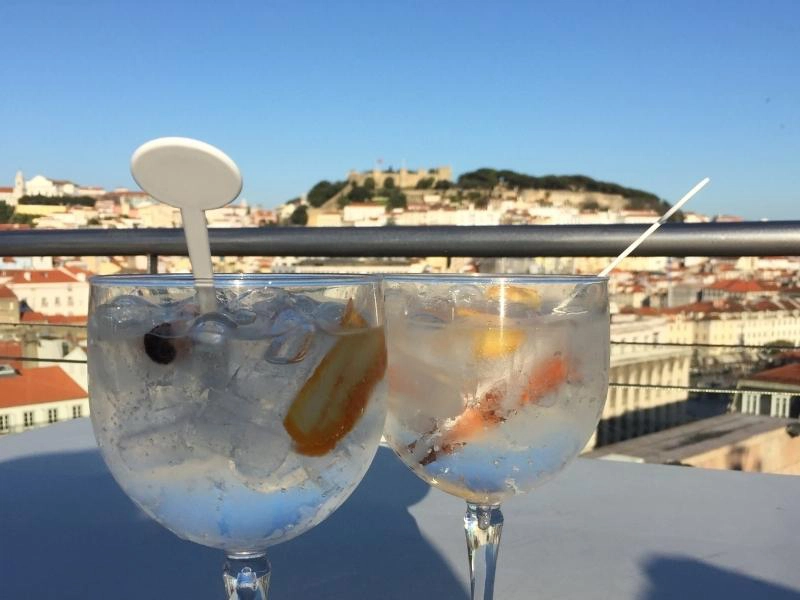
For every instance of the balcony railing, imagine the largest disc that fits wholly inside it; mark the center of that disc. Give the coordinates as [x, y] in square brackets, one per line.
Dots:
[777, 238]
[673, 239]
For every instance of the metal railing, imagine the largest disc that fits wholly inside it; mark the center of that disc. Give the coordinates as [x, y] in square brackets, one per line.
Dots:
[776, 238]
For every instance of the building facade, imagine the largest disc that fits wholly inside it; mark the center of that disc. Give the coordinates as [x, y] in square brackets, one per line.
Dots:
[50, 292]
[37, 397]
[772, 393]
[649, 398]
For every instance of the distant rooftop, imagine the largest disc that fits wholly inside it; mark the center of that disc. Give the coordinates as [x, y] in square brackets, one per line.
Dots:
[38, 386]
[786, 374]
[679, 443]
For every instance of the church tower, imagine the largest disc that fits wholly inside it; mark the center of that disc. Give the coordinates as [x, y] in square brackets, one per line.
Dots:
[19, 188]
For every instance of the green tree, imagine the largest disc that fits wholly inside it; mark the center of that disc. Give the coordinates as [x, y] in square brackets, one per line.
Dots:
[57, 200]
[388, 183]
[777, 346]
[324, 191]
[590, 205]
[359, 194]
[487, 178]
[479, 199]
[6, 212]
[443, 184]
[299, 216]
[93, 221]
[396, 199]
[9, 215]
[425, 183]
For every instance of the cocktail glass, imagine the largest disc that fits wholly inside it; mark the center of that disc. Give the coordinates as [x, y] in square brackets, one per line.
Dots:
[496, 383]
[245, 426]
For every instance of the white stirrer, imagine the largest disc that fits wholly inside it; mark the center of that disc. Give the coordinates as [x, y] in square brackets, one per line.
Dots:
[654, 226]
[194, 177]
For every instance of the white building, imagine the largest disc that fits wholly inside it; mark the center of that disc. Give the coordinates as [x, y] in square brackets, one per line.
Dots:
[233, 215]
[42, 186]
[424, 216]
[50, 292]
[363, 211]
[774, 393]
[633, 411]
[7, 195]
[749, 324]
[724, 323]
[35, 397]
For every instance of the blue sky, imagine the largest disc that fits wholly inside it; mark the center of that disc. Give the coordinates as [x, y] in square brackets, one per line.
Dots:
[648, 94]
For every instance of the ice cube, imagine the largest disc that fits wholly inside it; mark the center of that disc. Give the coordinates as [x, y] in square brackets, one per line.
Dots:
[243, 316]
[420, 391]
[287, 320]
[239, 428]
[267, 318]
[123, 317]
[290, 347]
[212, 330]
[155, 447]
[259, 299]
[304, 304]
[209, 338]
[214, 428]
[328, 316]
[260, 450]
[466, 296]
[428, 312]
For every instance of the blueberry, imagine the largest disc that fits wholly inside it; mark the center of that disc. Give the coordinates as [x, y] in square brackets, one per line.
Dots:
[158, 345]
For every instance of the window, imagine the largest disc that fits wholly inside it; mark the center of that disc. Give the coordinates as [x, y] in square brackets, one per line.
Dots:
[77, 411]
[44, 302]
[57, 301]
[3, 422]
[52, 415]
[765, 404]
[27, 418]
[69, 301]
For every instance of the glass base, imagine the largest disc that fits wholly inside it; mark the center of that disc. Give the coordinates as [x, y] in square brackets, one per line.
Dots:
[246, 576]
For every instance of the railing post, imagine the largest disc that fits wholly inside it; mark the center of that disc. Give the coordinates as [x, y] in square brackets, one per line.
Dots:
[152, 264]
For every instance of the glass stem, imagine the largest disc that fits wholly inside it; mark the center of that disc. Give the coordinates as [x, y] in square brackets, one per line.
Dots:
[483, 526]
[246, 576]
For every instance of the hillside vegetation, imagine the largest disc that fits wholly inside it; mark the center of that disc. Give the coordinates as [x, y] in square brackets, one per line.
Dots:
[489, 178]
[475, 186]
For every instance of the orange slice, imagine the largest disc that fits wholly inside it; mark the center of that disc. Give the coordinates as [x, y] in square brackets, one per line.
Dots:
[496, 342]
[335, 397]
[544, 379]
[480, 418]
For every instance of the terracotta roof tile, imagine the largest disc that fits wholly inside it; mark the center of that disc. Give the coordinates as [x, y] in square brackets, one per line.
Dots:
[38, 386]
[786, 374]
[32, 316]
[24, 276]
[11, 348]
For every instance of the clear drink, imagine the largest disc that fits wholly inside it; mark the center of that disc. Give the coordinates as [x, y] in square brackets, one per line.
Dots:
[246, 426]
[495, 383]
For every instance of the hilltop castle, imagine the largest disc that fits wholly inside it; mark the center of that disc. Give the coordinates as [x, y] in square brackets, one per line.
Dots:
[402, 178]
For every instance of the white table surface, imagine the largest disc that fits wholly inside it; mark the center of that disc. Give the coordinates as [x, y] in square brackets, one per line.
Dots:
[601, 530]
